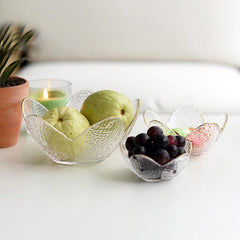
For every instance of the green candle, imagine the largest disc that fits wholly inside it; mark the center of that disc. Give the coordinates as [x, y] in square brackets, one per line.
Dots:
[50, 98]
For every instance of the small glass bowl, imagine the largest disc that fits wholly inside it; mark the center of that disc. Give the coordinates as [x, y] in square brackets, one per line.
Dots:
[204, 133]
[149, 170]
[92, 146]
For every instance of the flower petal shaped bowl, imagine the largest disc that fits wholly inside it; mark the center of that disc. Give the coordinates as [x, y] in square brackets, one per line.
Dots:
[149, 170]
[204, 133]
[93, 145]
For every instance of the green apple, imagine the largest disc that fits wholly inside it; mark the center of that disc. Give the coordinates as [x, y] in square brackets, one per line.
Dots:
[106, 103]
[67, 120]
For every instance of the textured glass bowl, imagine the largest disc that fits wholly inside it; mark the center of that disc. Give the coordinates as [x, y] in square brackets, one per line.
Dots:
[149, 170]
[93, 145]
[205, 133]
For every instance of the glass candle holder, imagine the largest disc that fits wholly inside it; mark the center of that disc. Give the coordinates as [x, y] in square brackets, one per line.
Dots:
[50, 92]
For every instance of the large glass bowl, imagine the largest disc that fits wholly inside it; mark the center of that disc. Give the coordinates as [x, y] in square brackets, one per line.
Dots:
[204, 132]
[149, 170]
[93, 145]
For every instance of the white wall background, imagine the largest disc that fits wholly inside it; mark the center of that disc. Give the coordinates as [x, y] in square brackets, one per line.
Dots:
[200, 30]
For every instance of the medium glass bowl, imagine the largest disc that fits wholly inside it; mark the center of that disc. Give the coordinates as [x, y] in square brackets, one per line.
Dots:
[93, 145]
[149, 170]
[204, 134]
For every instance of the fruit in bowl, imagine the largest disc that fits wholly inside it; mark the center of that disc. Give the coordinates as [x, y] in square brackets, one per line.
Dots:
[189, 122]
[67, 120]
[157, 155]
[106, 103]
[67, 141]
[154, 144]
[71, 123]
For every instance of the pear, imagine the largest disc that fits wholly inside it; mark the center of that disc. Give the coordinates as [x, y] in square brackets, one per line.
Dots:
[107, 103]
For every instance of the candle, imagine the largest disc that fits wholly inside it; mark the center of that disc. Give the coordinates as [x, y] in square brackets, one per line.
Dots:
[50, 98]
[50, 92]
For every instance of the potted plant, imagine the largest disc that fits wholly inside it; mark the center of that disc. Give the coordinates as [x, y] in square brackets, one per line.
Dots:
[12, 89]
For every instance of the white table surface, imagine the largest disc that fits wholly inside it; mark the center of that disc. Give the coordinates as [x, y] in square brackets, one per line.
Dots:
[42, 200]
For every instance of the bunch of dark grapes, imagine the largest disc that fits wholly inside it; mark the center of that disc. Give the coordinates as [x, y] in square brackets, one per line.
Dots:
[156, 145]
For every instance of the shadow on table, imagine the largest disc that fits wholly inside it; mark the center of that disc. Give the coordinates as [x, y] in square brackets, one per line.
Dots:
[38, 160]
[118, 175]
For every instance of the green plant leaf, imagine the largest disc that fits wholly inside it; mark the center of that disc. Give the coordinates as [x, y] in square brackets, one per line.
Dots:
[5, 60]
[9, 69]
[11, 42]
[4, 52]
[6, 39]
[20, 31]
[26, 37]
[23, 40]
[4, 30]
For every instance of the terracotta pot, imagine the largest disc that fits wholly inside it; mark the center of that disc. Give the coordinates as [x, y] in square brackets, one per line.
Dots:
[10, 112]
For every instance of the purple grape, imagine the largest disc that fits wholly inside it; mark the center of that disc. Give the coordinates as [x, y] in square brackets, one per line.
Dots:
[161, 156]
[139, 150]
[130, 143]
[172, 150]
[154, 131]
[180, 141]
[172, 140]
[181, 150]
[161, 141]
[150, 146]
[141, 139]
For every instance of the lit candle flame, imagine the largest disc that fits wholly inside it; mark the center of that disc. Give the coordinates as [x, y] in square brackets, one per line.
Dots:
[45, 93]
